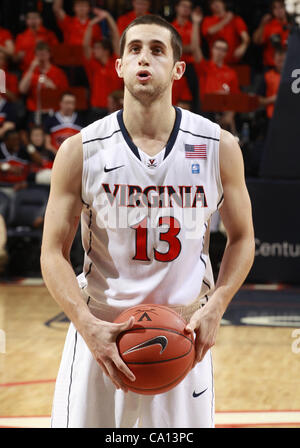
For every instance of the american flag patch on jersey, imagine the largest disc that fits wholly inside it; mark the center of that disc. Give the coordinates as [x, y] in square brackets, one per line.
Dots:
[195, 151]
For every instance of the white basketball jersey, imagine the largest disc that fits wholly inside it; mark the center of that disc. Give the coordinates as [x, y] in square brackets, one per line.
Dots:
[145, 220]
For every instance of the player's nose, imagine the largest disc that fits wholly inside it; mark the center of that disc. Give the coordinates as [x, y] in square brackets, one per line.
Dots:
[143, 58]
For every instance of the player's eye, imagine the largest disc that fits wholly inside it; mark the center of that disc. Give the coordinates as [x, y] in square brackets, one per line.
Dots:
[134, 49]
[157, 50]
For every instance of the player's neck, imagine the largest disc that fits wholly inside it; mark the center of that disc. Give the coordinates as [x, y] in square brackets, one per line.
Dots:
[148, 122]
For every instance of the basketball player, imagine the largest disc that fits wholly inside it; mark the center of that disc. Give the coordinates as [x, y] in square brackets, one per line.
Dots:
[145, 181]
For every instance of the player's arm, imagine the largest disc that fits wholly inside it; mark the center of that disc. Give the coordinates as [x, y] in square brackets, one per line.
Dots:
[61, 222]
[239, 252]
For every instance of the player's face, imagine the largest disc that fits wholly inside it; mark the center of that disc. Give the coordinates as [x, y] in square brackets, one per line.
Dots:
[147, 65]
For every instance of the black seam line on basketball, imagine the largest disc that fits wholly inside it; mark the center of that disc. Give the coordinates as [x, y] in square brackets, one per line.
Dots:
[202, 136]
[71, 378]
[165, 385]
[222, 197]
[158, 328]
[101, 138]
[88, 300]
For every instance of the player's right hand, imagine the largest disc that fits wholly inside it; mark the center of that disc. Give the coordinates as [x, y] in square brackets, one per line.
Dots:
[101, 339]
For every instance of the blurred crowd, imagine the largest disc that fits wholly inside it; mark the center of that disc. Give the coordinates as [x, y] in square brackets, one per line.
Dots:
[55, 51]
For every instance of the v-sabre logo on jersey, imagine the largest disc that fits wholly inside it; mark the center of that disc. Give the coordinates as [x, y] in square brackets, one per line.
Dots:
[158, 340]
[156, 196]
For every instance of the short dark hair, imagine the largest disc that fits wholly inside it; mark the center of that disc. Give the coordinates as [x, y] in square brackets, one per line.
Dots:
[106, 44]
[66, 93]
[42, 46]
[220, 39]
[152, 19]
[9, 132]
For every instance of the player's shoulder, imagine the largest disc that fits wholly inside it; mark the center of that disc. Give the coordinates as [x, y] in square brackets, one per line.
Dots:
[198, 125]
[100, 129]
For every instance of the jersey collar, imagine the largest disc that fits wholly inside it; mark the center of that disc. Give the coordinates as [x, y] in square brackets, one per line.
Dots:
[171, 140]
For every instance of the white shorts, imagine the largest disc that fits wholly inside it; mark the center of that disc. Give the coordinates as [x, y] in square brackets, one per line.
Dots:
[86, 398]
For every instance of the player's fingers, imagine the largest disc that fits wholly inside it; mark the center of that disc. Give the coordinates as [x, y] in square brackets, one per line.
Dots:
[120, 365]
[123, 326]
[114, 376]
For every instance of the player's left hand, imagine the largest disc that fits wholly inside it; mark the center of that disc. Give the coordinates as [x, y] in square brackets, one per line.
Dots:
[205, 323]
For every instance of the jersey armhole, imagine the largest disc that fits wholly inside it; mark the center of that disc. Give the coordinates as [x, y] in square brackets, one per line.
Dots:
[84, 179]
[218, 170]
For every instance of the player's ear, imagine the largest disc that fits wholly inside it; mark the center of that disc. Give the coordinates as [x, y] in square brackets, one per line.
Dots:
[118, 67]
[179, 69]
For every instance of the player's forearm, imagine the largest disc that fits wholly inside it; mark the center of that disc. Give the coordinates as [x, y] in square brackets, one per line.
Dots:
[235, 266]
[62, 284]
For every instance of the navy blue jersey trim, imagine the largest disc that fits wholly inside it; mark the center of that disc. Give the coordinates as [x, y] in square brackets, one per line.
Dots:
[126, 136]
[222, 197]
[101, 138]
[198, 135]
[174, 132]
[171, 141]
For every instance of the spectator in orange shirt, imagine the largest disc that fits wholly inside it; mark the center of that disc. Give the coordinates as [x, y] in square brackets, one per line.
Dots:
[269, 87]
[41, 74]
[26, 41]
[6, 42]
[73, 28]
[272, 32]
[223, 24]
[140, 8]
[11, 80]
[100, 65]
[184, 26]
[214, 75]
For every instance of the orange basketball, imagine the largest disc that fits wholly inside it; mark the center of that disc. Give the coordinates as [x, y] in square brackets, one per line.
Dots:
[156, 349]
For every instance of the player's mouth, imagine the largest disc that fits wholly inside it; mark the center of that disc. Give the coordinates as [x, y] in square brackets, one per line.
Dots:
[143, 75]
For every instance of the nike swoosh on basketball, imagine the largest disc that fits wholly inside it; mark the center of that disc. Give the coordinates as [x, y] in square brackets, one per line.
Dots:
[107, 170]
[198, 395]
[160, 340]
